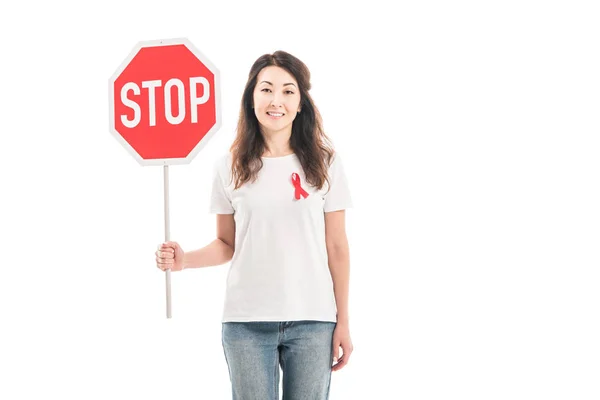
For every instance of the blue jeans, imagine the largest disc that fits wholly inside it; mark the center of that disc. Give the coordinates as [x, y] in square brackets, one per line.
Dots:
[255, 350]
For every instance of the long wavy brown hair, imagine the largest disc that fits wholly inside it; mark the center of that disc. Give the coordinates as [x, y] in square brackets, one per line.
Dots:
[308, 140]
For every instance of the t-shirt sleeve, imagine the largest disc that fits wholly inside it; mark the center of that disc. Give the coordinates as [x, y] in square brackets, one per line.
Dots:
[338, 196]
[220, 200]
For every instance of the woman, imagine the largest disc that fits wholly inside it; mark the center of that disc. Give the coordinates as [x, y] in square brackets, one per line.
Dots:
[279, 195]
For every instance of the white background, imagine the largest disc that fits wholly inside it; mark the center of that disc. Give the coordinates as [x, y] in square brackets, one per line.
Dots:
[469, 132]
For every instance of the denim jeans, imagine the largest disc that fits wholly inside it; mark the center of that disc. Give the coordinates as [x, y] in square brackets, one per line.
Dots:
[255, 350]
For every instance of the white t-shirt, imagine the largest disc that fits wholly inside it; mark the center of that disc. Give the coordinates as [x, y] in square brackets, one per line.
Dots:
[279, 270]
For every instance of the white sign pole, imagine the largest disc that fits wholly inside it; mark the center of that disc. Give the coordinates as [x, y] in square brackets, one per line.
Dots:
[167, 234]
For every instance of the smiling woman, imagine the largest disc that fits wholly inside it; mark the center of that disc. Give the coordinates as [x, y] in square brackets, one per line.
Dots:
[278, 117]
[280, 195]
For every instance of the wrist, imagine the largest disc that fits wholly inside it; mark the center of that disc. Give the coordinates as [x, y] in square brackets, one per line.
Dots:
[185, 261]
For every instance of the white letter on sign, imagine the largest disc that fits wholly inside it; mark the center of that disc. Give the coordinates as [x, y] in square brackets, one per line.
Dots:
[137, 113]
[151, 85]
[181, 100]
[195, 101]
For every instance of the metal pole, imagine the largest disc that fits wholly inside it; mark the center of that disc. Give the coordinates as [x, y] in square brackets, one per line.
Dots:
[167, 235]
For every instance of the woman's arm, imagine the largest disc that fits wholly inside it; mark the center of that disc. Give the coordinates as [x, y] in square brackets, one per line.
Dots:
[219, 251]
[339, 261]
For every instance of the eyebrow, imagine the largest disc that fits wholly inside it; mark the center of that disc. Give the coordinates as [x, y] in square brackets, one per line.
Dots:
[285, 84]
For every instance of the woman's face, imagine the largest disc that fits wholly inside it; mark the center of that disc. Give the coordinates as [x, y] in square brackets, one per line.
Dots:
[276, 100]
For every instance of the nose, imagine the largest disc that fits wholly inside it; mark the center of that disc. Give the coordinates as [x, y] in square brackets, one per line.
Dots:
[276, 100]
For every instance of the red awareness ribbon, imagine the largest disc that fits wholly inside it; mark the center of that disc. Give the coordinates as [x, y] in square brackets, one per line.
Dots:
[299, 191]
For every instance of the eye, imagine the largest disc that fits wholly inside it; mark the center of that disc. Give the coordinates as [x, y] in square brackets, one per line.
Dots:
[265, 89]
[289, 91]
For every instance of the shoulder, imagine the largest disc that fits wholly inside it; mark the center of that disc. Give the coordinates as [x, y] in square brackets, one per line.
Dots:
[335, 161]
[222, 168]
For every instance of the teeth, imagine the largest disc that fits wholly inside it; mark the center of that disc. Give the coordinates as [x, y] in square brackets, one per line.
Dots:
[275, 114]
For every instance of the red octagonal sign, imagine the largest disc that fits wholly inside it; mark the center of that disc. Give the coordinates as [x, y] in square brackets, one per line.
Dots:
[164, 102]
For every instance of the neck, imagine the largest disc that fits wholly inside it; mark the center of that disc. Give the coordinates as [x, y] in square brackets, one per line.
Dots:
[277, 143]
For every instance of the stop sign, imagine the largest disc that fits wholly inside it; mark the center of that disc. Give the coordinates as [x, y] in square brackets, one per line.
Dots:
[164, 102]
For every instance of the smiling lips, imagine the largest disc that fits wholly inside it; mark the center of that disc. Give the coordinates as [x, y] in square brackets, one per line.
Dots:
[274, 114]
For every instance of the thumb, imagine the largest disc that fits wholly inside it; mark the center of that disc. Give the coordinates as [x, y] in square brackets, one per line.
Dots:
[336, 353]
[171, 244]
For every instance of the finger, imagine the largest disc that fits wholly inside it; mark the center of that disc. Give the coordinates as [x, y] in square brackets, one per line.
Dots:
[165, 254]
[168, 251]
[336, 351]
[341, 364]
[165, 246]
[162, 267]
[337, 367]
[344, 358]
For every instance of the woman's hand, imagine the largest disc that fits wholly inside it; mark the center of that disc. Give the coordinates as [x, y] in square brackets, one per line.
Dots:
[341, 337]
[169, 256]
